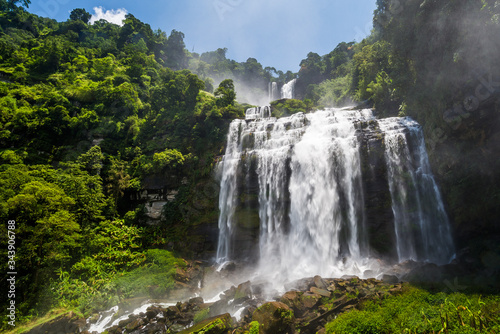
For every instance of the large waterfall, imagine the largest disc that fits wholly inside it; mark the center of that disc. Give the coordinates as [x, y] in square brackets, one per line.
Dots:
[327, 193]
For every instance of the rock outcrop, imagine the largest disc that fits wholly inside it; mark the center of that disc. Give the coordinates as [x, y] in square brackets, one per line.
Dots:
[306, 308]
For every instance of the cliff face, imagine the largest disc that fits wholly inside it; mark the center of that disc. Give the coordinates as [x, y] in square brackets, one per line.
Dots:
[464, 151]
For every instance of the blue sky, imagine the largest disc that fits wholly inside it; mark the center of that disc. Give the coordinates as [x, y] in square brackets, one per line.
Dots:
[278, 33]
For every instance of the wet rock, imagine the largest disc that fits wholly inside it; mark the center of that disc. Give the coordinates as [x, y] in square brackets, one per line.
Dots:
[243, 291]
[427, 273]
[172, 311]
[152, 312]
[94, 318]
[301, 303]
[303, 284]
[349, 277]
[181, 275]
[322, 292]
[274, 317]
[319, 282]
[216, 325]
[391, 279]
[218, 307]
[134, 325]
[308, 300]
[291, 298]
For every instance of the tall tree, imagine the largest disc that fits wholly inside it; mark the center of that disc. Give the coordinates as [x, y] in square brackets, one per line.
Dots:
[80, 14]
[225, 93]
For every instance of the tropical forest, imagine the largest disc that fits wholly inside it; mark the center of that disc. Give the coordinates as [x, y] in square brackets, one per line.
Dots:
[146, 188]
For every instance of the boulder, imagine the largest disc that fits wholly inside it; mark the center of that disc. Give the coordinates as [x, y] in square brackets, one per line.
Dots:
[322, 292]
[429, 272]
[320, 283]
[303, 284]
[134, 325]
[243, 292]
[309, 300]
[300, 302]
[391, 279]
[274, 317]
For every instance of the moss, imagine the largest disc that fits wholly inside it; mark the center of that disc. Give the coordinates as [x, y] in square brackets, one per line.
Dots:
[201, 315]
[286, 315]
[254, 327]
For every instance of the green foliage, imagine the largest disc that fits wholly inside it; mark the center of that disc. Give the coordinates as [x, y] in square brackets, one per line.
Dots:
[380, 89]
[225, 93]
[334, 92]
[419, 311]
[154, 279]
[286, 107]
[167, 158]
[80, 14]
[87, 112]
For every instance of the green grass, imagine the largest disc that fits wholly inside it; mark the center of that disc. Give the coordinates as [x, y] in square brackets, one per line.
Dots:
[419, 311]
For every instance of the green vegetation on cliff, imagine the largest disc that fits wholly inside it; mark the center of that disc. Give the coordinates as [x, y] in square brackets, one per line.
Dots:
[88, 112]
[419, 311]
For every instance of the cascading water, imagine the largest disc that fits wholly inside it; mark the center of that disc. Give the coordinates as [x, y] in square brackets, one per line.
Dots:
[258, 112]
[288, 90]
[293, 195]
[421, 224]
[273, 91]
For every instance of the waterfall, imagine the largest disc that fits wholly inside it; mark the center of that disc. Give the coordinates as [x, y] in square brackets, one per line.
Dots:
[258, 112]
[421, 224]
[227, 191]
[273, 91]
[294, 196]
[288, 90]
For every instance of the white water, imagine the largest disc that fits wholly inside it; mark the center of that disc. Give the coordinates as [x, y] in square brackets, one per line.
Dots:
[258, 112]
[109, 319]
[421, 224]
[311, 205]
[273, 91]
[288, 90]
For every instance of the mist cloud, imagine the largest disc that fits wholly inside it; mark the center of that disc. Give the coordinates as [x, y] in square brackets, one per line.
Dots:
[115, 16]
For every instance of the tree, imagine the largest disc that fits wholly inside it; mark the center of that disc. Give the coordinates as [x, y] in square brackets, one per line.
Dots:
[118, 179]
[92, 160]
[176, 56]
[225, 93]
[80, 14]
[11, 4]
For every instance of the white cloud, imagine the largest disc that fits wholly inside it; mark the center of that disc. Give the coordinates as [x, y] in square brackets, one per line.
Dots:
[115, 16]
